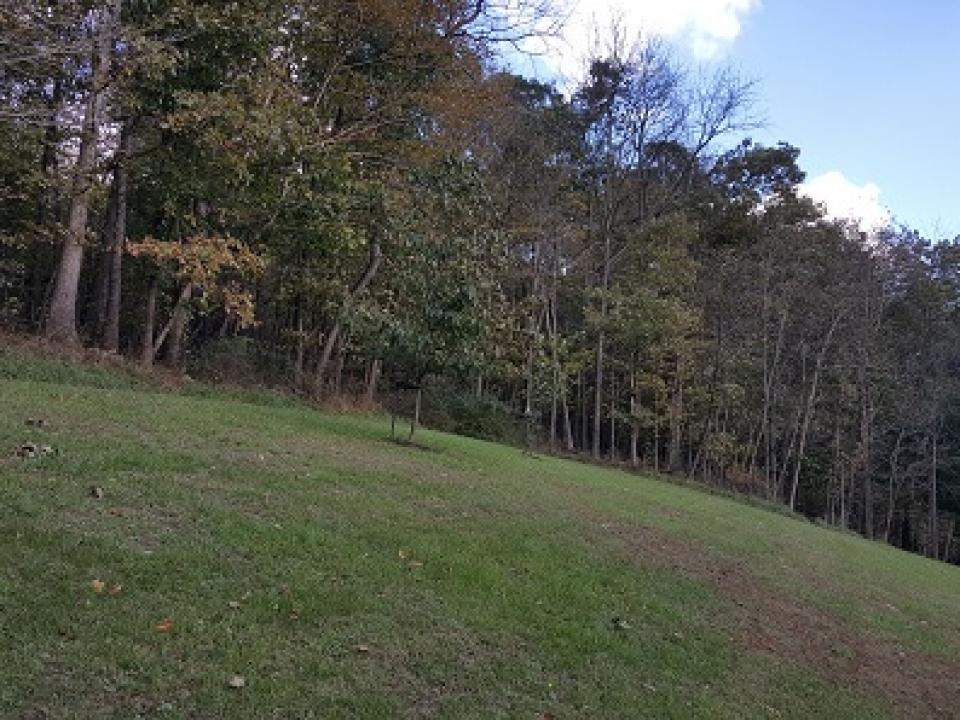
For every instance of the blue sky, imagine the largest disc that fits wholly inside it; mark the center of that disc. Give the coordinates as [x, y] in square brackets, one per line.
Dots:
[867, 89]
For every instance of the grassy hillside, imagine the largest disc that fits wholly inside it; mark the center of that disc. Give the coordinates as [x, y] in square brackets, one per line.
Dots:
[343, 576]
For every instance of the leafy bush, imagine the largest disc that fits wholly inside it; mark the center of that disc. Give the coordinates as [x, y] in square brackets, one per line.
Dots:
[463, 413]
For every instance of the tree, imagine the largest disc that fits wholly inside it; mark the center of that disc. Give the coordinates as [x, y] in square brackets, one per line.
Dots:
[103, 23]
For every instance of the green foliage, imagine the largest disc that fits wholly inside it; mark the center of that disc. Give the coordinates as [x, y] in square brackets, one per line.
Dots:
[456, 410]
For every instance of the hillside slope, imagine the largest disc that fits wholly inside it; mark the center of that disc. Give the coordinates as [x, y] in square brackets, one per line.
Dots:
[343, 576]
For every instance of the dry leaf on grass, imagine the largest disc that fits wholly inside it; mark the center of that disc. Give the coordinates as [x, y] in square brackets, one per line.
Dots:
[235, 682]
[165, 625]
[98, 586]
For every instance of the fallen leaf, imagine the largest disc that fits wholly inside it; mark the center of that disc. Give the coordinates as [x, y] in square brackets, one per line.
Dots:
[115, 589]
[403, 554]
[362, 648]
[165, 625]
[97, 586]
[233, 604]
[236, 682]
[117, 512]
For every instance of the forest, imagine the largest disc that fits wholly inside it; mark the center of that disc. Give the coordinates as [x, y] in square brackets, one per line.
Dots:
[360, 200]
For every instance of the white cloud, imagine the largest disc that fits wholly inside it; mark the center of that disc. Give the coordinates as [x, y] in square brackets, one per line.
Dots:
[707, 27]
[845, 200]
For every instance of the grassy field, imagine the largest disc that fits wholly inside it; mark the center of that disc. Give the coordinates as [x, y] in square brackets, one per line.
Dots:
[342, 576]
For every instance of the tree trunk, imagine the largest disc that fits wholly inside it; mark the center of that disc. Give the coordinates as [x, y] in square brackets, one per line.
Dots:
[676, 427]
[808, 410]
[153, 344]
[634, 422]
[106, 262]
[62, 320]
[338, 368]
[111, 327]
[948, 541]
[598, 397]
[601, 339]
[613, 418]
[177, 329]
[892, 485]
[838, 471]
[567, 424]
[301, 352]
[373, 377]
[584, 430]
[148, 350]
[656, 431]
[326, 353]
[866, 417]
[933, 526]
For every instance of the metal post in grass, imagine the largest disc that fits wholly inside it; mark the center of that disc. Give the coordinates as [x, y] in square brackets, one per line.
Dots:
[415, 417]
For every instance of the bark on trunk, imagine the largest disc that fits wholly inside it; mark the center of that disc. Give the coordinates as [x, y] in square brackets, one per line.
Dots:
[656, 432]
[106, 262]
[809, 409]
[153, 344]
[567, 424]
[373, 377]
[338, 369]
[176, 330]
[613, 418]
[111, 328]
[301, 352]
[892, 485]
[601, 339]
[932, 522]
[676, 425]
[148, 351]
[62, 319]
[330, 343]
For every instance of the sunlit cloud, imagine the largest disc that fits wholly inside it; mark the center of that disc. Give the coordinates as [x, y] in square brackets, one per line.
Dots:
[705, 27]
[843, 199]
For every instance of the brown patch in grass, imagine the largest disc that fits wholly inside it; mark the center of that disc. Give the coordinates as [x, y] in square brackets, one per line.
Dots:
[771, 623]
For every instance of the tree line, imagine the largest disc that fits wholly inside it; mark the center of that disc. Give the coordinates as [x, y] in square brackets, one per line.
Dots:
[350, 196]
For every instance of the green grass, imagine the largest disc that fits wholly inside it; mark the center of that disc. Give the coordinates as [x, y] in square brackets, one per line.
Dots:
[272, 534]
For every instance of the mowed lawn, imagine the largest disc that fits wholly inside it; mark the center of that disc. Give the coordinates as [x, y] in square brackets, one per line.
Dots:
[334, 574]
